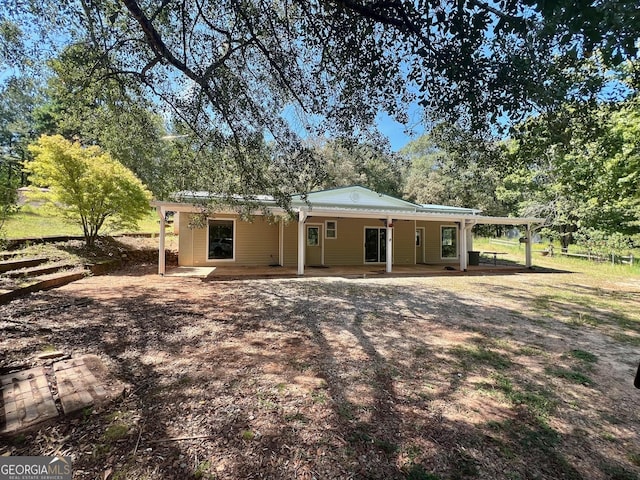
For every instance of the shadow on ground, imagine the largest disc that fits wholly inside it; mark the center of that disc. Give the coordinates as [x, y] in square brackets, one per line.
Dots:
[319, 379]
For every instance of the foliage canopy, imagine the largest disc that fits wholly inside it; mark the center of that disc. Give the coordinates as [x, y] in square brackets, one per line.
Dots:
[285, 69]
[87, 185]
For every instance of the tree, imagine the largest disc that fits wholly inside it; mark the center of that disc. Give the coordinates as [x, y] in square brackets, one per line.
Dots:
[345, 162]
[88, 185]
[580, 168]
[116, 116]
[452, 167]
[285, 69]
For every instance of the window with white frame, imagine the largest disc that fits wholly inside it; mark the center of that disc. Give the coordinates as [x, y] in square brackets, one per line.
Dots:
[449, 241]
[331, 229]
[221, 240]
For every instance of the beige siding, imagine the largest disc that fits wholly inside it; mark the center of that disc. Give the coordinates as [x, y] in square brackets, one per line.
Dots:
[348, 247]
[256, 243]
[185, 239]
[432, 240]
[290, 243]
[404, 242]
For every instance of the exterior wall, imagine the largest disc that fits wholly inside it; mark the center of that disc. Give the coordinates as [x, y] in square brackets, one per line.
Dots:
[185, 241]
[404, 242]
[432, 252]
[256, 243]
[290, 242]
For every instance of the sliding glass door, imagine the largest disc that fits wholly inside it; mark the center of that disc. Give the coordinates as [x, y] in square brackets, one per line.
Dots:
[375, 245]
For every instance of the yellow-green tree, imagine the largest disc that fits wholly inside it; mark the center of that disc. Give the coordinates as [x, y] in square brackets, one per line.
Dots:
[87, 185]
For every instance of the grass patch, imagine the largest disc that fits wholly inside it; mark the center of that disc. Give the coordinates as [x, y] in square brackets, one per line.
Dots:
[584, 320]
[115, 432]
[571, 375]
[583, 355]
[202, 471]
[529, 351]
[420, 351]
[33, 222]
[319, 397]
[541, 403]
[247, 435]
[472, 356]
[627, 339]
[634, 458]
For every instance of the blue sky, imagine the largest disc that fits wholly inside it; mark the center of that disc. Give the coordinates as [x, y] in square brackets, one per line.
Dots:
[398, 134]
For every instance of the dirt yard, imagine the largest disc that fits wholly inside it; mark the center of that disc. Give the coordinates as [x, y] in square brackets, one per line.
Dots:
[526, 376]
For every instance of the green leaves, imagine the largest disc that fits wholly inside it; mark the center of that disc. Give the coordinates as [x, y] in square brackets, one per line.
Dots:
[87, 185]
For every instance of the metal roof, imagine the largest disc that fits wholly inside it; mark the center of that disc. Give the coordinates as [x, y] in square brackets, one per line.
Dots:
[351, 202]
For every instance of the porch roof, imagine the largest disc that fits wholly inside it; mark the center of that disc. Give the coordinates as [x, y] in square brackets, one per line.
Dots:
[351, 202]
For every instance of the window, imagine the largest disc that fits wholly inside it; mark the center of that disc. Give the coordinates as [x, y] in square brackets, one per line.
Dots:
[221, 240]
[449, 242]
[331, 229]
[313, 236]
[375, 245]
[418, 238]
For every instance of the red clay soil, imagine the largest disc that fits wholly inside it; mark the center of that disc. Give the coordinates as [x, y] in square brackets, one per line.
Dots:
[466, 377]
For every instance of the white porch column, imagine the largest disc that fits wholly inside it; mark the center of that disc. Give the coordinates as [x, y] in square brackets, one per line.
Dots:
[161, 248]
[281, 242]
[389, 244]
[302, 216]
[462, 235]
[527, 261]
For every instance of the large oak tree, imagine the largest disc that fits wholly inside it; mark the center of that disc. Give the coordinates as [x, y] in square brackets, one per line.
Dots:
[233, 70]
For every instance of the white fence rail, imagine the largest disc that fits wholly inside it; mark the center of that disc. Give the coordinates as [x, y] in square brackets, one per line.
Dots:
[594, 257]
[599, 257]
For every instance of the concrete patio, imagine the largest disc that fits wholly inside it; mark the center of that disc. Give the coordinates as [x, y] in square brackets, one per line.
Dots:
[233, 272]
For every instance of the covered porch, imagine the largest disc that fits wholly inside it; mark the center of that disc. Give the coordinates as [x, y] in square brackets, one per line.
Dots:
[237, 272]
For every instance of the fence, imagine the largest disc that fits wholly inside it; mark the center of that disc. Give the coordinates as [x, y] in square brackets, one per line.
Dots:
[594, 257]
[599, 257]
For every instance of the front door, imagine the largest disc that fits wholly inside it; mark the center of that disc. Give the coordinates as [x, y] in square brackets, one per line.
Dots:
[313, 253]
[419, 245]
[375, 245]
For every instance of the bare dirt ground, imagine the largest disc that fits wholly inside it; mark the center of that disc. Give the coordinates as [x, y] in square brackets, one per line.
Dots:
[525, 376]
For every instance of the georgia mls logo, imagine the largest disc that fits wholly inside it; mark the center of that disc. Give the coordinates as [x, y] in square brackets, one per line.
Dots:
[35, 468]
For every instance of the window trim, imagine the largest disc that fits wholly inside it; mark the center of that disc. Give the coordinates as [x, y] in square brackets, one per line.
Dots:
[364, 248]
[308, 227]
[235, 239]
[327, 229]
[456, 239]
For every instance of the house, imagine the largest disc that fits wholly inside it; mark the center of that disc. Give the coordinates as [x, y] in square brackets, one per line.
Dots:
[336, 227]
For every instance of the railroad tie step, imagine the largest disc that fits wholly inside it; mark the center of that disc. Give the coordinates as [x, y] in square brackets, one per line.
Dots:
[46, 282]
[9, 265]
[39, 270]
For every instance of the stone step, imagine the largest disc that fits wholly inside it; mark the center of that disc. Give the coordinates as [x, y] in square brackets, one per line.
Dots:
[8, 265]
[39, 270]
[46, 282]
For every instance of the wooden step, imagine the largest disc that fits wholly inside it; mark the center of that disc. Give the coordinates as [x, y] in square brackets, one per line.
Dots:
[39, 270]
[44, 283]
[8, 265]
